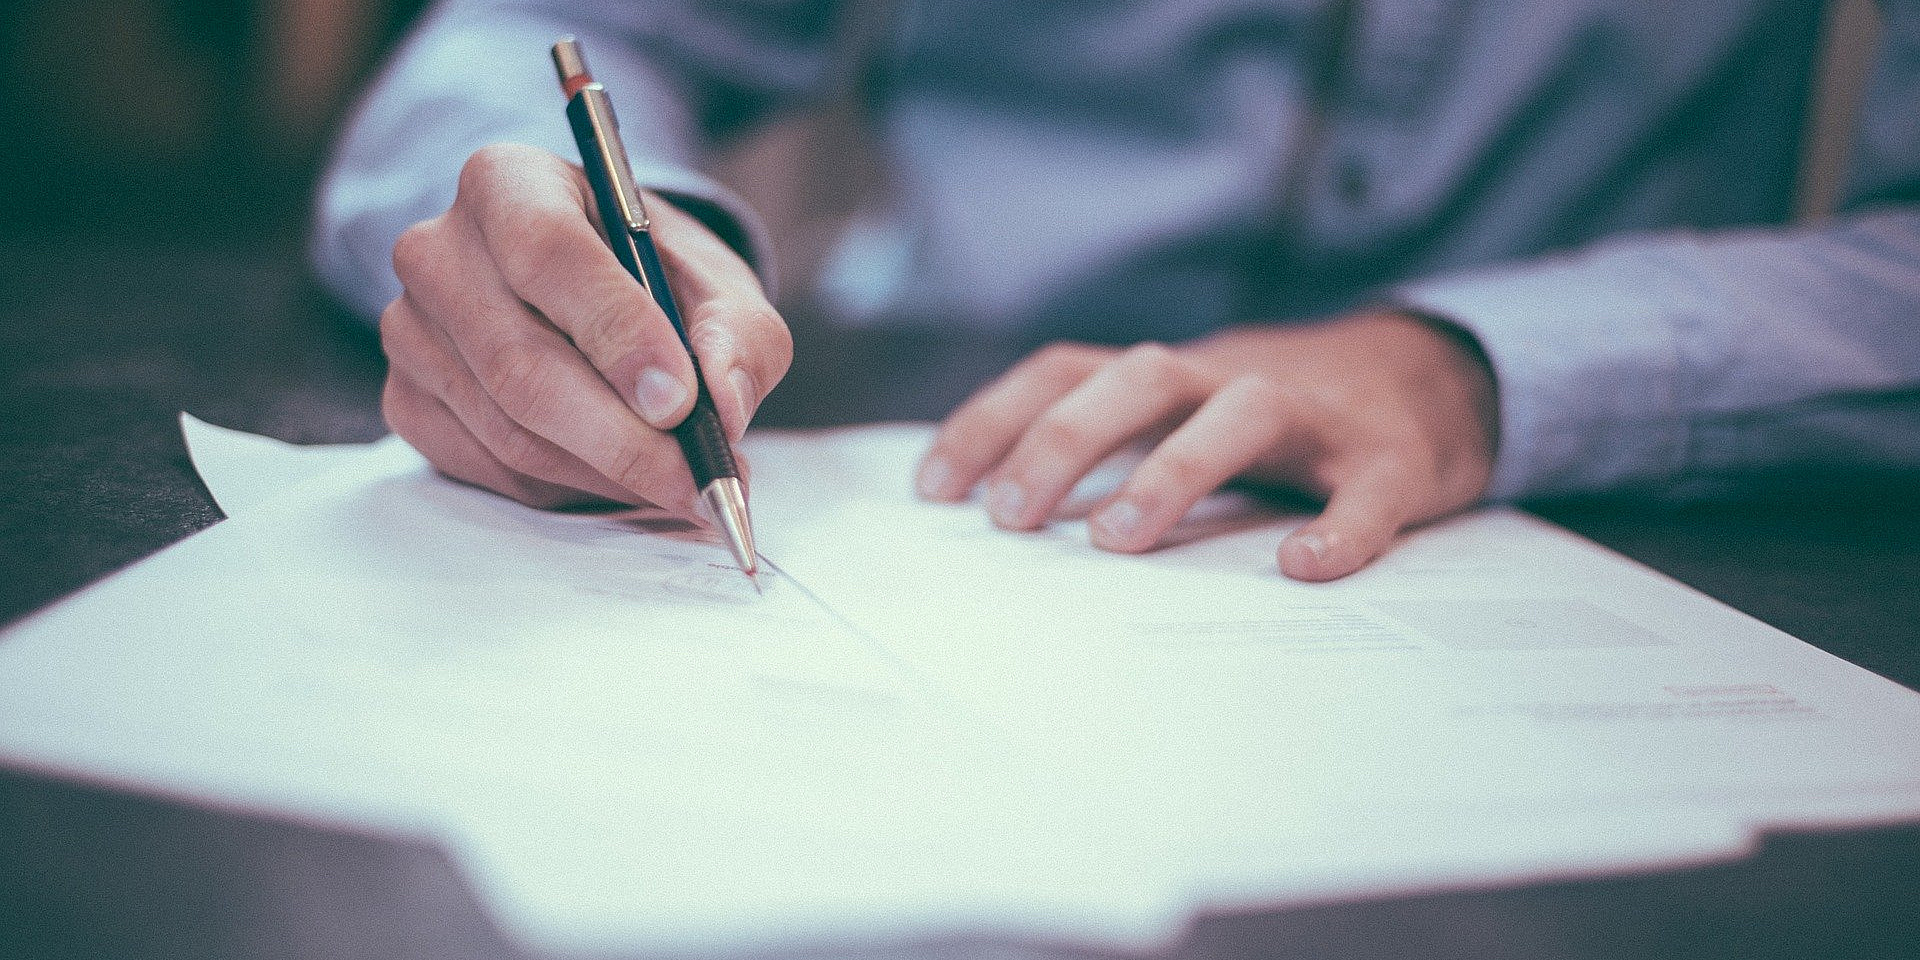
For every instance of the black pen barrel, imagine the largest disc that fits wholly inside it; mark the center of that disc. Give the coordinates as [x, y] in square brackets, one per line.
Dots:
[703, 441]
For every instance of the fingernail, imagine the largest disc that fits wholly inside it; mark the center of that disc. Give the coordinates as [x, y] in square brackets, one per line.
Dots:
[1005, 501]
[1303, 554]
[935, 475]
[743, 393]
[660, 395]
[1118, 522]
[1313, 543]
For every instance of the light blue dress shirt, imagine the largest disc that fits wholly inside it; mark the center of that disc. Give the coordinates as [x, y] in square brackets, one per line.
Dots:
[1596, 189]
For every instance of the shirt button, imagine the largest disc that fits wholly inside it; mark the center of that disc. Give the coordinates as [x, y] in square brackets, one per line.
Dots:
[1351, 181]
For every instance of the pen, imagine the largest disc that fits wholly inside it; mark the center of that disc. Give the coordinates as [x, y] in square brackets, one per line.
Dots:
[629, 232]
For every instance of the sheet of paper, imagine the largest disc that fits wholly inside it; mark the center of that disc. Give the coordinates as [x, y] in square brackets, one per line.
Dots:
[243, 470]
[923, 727]
[1493, 666]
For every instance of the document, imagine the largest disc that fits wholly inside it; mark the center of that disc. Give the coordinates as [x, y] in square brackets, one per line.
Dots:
[922, 728]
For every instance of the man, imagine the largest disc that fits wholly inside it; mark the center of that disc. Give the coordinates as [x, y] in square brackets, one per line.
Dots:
[1545, 236]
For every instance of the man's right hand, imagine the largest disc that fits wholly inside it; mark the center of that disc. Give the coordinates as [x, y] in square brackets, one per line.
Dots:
[523, 358]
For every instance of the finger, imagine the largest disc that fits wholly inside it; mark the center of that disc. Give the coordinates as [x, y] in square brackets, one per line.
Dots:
[976, 436]
[1361, 518]
[1142, 389]
[529, 210]
[1237, 427]
[433, 430]
[535, 376]
[744, 347]
[423, 358]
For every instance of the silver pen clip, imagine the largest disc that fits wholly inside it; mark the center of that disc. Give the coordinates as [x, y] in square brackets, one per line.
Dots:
[572, 63]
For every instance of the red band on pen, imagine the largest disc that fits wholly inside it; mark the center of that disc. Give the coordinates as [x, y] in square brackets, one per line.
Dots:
[574, 83]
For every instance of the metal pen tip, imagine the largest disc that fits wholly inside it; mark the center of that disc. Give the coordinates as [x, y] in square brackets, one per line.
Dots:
[727, 503]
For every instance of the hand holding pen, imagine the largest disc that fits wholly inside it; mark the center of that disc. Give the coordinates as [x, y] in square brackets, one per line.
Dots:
[623, 215]
[526, 359]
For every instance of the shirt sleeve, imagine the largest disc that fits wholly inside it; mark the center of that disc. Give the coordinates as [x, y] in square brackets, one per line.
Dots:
[684, 74]
[1689, 365]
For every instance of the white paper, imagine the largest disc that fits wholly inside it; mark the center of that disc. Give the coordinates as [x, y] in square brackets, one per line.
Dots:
[923, 727]
[243, 470]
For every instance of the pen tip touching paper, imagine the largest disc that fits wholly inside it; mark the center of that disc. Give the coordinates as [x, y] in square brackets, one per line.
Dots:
[726, 503]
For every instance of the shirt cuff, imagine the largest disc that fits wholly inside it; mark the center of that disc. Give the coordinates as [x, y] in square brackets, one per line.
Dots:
[1587, 361]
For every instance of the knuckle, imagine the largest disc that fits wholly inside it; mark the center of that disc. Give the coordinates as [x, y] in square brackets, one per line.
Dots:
[710, 328]
[403, 338]
[1151, 367]
[765, 322]
[1180, 470]
[1056, 434]
[517, 378]
[520, 451]
[604, 324]
[392, 339]
[635, 467]
[782, 338]
[1150, 353]
[448, 382]
[1258, 392]
[722, 329]
[412, 252]
[1061, 358]
[488, 166]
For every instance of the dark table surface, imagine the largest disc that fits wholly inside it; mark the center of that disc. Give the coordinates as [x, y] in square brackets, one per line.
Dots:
[95, 365]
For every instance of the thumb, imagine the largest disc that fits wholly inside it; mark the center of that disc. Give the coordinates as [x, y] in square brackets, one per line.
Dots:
[1360, 521]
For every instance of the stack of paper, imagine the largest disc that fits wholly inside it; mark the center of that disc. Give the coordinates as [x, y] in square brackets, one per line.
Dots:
[920, 727]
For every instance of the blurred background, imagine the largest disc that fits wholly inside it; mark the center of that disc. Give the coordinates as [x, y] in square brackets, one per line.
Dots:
[162, 121]
[203, 124]
[204, 121]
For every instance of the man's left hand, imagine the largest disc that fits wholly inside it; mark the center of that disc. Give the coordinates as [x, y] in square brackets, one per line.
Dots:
[1391, 419]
